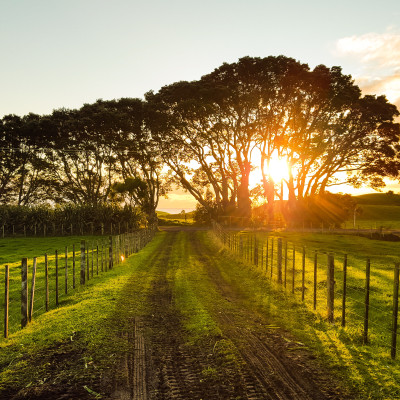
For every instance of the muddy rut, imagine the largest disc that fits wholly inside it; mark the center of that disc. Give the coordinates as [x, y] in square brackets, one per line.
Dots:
[162, 366]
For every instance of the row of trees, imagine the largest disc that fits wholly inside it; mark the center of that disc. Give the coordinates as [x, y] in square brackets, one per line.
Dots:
[102, 152]
[208, 136]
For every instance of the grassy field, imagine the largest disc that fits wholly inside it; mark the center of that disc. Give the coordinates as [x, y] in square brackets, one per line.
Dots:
[175, 219]
[342, 346]
[74, 343]
[84, 332]
[12, 250]
[376, 211]
[382, 255]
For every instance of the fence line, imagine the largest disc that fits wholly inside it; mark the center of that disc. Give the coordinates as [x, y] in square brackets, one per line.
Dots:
[77, 229]
[319, 281]
[44, 291]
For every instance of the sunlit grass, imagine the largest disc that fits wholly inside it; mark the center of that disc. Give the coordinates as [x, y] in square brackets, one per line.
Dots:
[12, 250]
[88, 321]
[368, 367]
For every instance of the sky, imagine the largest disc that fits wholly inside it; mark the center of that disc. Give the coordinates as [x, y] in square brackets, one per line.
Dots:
[64, 53]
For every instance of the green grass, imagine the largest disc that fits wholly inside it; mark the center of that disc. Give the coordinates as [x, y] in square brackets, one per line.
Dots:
[175, 219]
[377, 216]
[12, 250]
[370, 367]
[81, 340]
[86, 331]
[382, 199]
[192, 290]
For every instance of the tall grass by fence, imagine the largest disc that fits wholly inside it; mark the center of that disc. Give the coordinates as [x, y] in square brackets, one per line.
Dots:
[363, 300]
[41, 283]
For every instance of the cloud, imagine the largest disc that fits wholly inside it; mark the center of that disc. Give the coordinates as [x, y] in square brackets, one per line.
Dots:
[382, 50]
[378, 56]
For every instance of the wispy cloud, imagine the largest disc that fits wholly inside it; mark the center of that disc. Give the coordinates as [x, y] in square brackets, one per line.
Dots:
[379, 58]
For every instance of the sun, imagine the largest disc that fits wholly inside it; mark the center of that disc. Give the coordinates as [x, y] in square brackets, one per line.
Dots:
[278, 169]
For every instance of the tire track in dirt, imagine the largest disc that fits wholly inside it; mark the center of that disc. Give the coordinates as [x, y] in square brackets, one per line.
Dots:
[130, 380]
[267, 373]
[174, 367]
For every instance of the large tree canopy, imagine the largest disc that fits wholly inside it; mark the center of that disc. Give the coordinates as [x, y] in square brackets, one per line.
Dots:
[315, 119]
[209, 135]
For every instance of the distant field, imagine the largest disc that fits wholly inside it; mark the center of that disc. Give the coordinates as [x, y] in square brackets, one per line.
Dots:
[376, 211]
[379, 199]
[175, 219]
[376, 217]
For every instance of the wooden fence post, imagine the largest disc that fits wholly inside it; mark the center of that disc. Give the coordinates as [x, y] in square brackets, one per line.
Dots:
[315, 278]
[66, 270]
[92, 261]
[367, 288]
[280, 260]
[267, 257]
[83, 262]
[303, 274]
[24, 292]
[395, 309]
[344, 290]
[255, 252]
[97, 258]
[331, 287]
[46, 283]
[294, 268]
[6, 300]
[56, 278]
[110, 253]
[272, 256]
[102, 251]
[32, 298]
[285, 278]
[87, 263]
[73, 266]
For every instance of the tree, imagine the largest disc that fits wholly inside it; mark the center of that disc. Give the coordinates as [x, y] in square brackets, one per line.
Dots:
[83, 164]
[315, 119]
[24, 177]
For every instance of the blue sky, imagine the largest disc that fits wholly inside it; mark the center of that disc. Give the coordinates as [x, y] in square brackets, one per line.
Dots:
[64, 53]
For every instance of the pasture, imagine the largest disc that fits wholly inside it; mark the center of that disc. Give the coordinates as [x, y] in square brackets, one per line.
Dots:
[189, 292]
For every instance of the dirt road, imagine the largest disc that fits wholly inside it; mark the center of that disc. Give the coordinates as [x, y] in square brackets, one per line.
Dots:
[244, 357]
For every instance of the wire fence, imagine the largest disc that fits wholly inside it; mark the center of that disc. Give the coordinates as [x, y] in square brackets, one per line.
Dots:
[363, 299]
[42, 229]
[42, 283]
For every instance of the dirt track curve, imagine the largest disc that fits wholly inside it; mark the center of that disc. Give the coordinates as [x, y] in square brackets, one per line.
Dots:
[162, 366]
